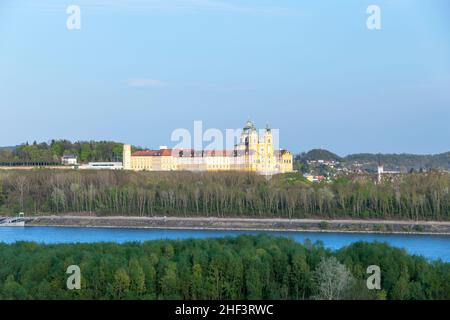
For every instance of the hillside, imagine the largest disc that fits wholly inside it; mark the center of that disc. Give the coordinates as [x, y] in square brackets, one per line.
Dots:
[8, 148]
[402, 162]
[52, 152]
[321, 154]
[369, 161]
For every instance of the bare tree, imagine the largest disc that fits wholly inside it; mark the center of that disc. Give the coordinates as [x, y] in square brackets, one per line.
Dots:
[332, 280]
[20, 185]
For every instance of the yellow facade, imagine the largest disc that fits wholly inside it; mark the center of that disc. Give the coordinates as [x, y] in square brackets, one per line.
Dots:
[252, 153]
[153, 163]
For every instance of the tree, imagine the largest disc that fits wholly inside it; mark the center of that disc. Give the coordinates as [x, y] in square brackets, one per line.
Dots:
[21, 185]
[58, 200]
[401, 288]
[137, 277]
[196, 282]
[244, 267]
[13, 290]
[169, 282]
[85, 152]
[300, 277]
[2, 195]
[168, 251]
[121, 283]
[332, 279]
[253, 283]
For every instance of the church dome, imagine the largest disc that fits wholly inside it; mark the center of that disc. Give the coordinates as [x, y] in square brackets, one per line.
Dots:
[249, 126]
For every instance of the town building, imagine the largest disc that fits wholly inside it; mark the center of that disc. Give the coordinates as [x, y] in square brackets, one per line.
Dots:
[69, 160]
[253, 153]
[314, 178]
[102, 166]
[381, 172]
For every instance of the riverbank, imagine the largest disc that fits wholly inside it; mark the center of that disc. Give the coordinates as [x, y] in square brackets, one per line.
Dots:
[313, 225]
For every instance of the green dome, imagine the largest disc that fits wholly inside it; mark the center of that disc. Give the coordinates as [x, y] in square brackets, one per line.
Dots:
[249, 126]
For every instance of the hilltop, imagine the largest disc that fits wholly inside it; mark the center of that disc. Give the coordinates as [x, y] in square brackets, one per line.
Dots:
[321, 154]
[368, 161]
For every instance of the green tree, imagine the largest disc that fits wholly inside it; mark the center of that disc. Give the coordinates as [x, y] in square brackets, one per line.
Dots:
[196, 282]
[137, 277]
[121, 283]
[253, 283]
[301, 277]
[401, 288]
[13, 290]
[169, 282]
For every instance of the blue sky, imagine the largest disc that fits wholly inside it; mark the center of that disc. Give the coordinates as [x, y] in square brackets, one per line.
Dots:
[137, 70]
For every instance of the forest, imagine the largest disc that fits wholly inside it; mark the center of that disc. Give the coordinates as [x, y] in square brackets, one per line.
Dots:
[245, 267]
[418, 196]
[53, 151]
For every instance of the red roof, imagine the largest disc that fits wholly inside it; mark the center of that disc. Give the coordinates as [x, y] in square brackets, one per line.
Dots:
[219, 153]
[153, 153]
[189, 153]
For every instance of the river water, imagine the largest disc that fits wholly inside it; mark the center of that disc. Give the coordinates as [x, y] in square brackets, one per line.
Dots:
[429, 246]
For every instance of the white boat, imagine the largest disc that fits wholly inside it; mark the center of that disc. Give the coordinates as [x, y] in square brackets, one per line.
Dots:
[18, 221]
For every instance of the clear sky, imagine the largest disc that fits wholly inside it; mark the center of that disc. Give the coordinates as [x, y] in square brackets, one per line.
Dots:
[137, 70]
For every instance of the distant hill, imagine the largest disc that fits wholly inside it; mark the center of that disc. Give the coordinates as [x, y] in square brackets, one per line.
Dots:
[8, 148]
[321, 154]
[402, 162]
[369, 161]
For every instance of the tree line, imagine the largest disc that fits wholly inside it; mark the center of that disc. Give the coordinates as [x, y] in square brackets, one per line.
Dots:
[53, 151]
[245, 267]
[419, 196]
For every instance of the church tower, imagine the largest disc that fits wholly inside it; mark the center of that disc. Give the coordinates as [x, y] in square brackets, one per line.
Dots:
[249, 138]
[267, 156]
[249, 145]
[268, 141]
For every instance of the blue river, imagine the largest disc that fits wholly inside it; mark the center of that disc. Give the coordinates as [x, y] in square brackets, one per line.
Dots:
[429, 246]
